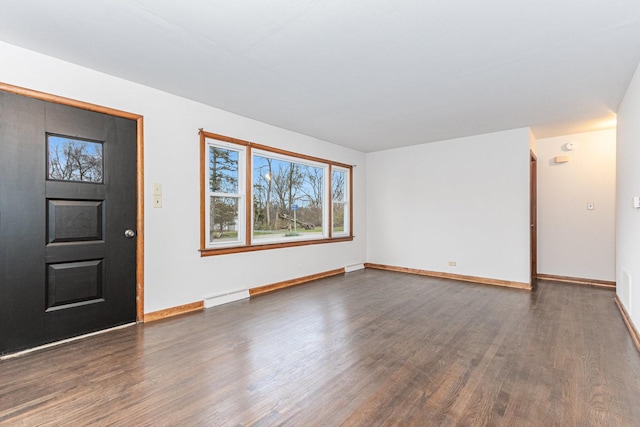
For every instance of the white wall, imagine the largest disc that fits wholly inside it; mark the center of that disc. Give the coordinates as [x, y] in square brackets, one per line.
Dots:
[175, 273]
[464, 200]
[572, 240]
[627, 186]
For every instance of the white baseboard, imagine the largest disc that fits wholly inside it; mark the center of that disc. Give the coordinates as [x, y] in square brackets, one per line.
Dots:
[214, 300]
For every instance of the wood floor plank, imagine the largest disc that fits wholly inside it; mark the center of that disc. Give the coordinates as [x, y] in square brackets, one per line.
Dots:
[365, 348]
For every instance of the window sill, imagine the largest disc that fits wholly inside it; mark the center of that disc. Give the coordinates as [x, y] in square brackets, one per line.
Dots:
[266, 246]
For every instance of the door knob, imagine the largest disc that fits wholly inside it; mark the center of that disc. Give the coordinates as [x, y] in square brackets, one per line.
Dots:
[129, 233]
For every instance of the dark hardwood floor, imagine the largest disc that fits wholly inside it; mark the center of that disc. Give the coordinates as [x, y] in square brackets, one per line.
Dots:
[366, 348]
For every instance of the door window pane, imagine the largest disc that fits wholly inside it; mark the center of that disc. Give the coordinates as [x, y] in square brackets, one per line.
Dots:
[72, 159]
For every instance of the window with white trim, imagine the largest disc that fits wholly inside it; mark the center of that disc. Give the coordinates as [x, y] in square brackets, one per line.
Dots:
[340, 201]
[225, 194]
[257, 197]
[288, 198]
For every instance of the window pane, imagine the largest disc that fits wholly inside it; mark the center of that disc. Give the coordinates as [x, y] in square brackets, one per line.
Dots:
[73, 159]
[223, 170]
[339, 214]
[338, 184]
[287, 199]
[340, 211]
[223, 219]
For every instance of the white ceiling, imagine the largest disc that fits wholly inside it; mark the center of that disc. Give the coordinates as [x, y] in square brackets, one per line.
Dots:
[367, 74]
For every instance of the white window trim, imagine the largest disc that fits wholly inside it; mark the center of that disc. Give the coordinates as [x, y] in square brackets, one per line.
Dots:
[345, 203]
[241, 196]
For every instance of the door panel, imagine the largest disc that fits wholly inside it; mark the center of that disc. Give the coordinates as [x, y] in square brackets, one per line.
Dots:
[74, 220]
[74, 283]
[66, 267]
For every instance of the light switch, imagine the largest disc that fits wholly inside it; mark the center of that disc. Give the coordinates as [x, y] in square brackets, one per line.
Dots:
[590, 206]
[636, 202]
[157, 189]
[157, 201]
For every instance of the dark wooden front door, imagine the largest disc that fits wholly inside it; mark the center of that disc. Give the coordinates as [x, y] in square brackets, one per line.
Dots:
[67, 197]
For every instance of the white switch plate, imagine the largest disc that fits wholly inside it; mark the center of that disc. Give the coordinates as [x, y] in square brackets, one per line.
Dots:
[452, 263]
[157, 189]
[590, 206]
[157, 201]
[636, 202]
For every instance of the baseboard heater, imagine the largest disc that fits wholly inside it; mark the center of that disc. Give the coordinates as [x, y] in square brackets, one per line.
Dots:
[353, 267]
[225, 298]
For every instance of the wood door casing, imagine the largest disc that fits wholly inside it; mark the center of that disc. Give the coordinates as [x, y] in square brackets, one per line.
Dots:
[533, 182]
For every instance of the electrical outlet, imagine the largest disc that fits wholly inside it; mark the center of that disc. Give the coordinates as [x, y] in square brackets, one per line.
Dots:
[452, 263]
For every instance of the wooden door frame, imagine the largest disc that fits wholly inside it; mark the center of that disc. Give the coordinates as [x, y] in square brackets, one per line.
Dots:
[533, 216]
[139, 172]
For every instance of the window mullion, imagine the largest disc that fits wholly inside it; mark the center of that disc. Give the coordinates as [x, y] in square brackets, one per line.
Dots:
[248, 191]
[329, 192]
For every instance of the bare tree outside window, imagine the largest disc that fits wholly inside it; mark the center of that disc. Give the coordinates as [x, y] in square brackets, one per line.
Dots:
[74, 160]
[286, 196]
[223, 182]
[339, 200]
